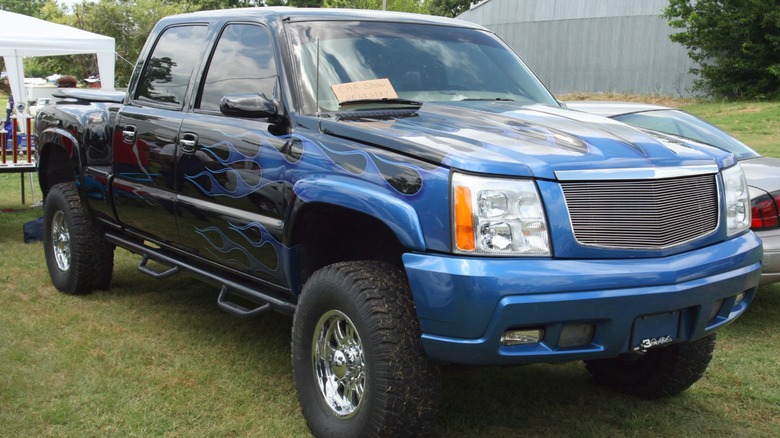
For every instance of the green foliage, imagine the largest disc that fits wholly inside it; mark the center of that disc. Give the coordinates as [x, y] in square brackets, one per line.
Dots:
[417, 6]
[205, 5]
[26, 7]
[296, 3]
[736, 44]
[450, 8]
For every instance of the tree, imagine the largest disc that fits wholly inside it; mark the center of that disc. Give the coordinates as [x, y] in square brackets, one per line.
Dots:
[418, 6]
[26, 7]
[205, 5]
[450, 8]
[297, 3]
[736, 44]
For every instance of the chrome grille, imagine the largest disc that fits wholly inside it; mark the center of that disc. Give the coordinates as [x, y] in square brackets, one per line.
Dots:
[642, 214]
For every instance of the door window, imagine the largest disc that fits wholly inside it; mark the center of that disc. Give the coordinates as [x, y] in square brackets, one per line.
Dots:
[170, 65]
[242, 63]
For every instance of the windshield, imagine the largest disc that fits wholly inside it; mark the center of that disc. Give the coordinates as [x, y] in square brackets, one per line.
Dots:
[422, 63]
[682, 124]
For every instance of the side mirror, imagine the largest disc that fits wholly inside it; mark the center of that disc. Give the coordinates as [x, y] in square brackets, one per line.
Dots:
[249, 105]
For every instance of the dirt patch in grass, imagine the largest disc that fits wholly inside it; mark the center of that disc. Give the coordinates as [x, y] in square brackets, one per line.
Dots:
[750, 109]
[670, 101]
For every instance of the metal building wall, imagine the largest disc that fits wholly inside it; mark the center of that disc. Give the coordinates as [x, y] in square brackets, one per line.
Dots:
[590, 46]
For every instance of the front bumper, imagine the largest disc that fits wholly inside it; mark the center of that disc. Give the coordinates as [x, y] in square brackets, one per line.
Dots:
[466, 304]
[770, 272]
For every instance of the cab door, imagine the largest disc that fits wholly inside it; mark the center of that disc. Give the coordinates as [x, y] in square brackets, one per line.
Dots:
[230, 171]
[145, 137]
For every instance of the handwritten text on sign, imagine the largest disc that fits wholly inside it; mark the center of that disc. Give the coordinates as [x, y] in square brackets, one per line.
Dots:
[364, 90]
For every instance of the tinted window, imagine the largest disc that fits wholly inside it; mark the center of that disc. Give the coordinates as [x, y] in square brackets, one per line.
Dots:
[686, 125]
[243, 62]
[170, 66]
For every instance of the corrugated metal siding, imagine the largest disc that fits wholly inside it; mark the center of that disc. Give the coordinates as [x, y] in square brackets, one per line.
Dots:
[592, 45]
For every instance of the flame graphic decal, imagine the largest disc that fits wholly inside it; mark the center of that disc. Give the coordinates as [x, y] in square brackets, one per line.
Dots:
[403, 178]
[236, 254]
[229, 181]
[225, 169]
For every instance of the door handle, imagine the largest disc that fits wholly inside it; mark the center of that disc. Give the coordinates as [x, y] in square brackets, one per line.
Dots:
[187, 142]
[128, 133]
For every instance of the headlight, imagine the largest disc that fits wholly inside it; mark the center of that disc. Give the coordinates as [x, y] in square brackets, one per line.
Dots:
[498, 216]
[737, 200]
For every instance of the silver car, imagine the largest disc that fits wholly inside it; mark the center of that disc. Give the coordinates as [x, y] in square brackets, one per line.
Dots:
[763, 173]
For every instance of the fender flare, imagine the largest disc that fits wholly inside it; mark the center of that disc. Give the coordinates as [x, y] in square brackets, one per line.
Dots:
[400, 217]
[58, 138]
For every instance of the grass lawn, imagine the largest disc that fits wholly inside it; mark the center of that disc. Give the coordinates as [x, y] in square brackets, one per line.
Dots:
[157, 358]
[757, 124]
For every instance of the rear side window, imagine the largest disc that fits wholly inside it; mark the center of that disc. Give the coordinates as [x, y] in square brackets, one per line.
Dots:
[242, 63]
[169, 68]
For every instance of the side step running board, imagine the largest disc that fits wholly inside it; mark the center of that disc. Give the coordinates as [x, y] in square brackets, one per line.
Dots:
[237, 309]
[154, 274]
[228, 286]
[222, 301]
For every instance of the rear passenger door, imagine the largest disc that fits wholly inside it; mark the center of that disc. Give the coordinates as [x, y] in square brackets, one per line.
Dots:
[145, 138]
[231, 170]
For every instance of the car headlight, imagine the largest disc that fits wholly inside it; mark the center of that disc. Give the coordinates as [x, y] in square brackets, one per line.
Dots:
[737, 200]
[498, 216]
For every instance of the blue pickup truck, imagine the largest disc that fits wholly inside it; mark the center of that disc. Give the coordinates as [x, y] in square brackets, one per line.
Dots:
[410, 193]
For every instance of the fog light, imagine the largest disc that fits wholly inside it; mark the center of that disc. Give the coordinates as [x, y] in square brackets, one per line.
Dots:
[573, 335]
[739, 299]
[715, 309]
[522, 337]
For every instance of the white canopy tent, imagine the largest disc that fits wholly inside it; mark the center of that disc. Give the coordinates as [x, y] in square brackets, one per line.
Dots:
[22, 36]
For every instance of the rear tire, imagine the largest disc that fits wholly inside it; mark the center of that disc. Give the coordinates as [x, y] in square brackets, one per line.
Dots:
[78, 258]
[358, 362]
[656, 373]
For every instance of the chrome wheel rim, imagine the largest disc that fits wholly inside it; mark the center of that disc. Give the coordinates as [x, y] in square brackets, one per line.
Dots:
[60, 238]
[339, 365]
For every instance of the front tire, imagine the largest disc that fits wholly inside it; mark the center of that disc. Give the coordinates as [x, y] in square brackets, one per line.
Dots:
[78, 258]
[358, 362]
[656, 373]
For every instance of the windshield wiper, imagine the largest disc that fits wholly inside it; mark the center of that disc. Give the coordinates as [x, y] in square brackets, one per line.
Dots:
[393, 101]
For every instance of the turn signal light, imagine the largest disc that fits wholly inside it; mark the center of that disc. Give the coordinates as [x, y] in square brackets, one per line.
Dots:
[464, 219]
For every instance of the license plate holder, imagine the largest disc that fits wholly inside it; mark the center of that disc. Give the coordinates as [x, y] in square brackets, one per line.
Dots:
[651, 331]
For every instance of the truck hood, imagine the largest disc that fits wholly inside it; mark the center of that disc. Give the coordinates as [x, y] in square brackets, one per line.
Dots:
[507, 138]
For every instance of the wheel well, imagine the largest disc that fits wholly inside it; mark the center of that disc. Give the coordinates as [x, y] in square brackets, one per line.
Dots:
[54, 167]
[329, 234]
